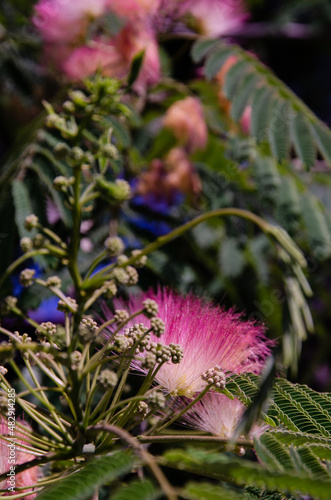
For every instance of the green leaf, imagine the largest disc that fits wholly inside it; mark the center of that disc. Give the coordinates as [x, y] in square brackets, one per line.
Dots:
[43, 170]
[216, 60]
[261, 111]
[23, 207]
[322, 136]
[267, 177]
[243, 472]
[201, 48]
[135, 68]
[233, 78]
[241, 97]
[82, 484]
[302, 139]
[136, 490]
[120, 130]
[272, 453]
[208, 491]
[278, 130]
[307, 464]
[316, 227]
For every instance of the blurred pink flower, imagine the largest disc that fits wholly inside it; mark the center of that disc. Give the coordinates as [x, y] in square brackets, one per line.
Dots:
[63, 21]
[219, 415]
[64, 26]
[208, 335]
[216, 17]
[20, 455]
[164, 179]
[186, 120]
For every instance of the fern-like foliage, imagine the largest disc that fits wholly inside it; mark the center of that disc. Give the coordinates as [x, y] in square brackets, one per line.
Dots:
[226, 468]
[278, 117]
[82, 484]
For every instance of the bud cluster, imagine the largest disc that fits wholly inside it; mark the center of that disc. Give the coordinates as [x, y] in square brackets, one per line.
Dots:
[54, 281]
[136, 334]
[31, 221]
[143, 409]
[107, 379]
[157, 326]
[62, 183]
[141, 261]
[69, 306]
[156, 399]
[47, 328]
[214, 376]
[110, 289]
[26, 277]
[121, 316]
[87, 329]
[8, 304]
[114, 245]
[75, 358]
[151, 308]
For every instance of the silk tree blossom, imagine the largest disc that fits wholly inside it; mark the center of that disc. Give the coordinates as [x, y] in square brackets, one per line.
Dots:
[219, 415]
[186, 120]
[216, 17]
[13, 457]
[63, 21]
[208, 335]
[64, 26]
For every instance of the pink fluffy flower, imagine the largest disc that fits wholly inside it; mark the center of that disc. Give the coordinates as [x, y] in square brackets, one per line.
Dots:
[219, 415]
[64, 26]
[19, 455]
[186, 120]
[208, 335]
[216, 17]
[63, 21]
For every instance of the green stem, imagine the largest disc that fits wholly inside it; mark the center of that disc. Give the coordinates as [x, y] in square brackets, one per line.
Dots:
[191, 438]
[184, 410]
[54, 236]
[96, 280]
[75, 238]
[47, 404]
[96, 261]
[35, 415]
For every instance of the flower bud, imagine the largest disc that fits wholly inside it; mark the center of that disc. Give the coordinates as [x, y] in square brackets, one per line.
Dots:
[54, 281]
[26, 244]
[87, 329]
[141, 261]
[157, 325]
[8, 304]
[114, 245]
[151, 308]
[26, 277]
[121, 316]
[69, 306]
[107, 379]
[133, 276]
[31, 221]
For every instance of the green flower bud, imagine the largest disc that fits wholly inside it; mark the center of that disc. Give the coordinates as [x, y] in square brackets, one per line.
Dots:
[26, 277]
[26, 244]
[114, 245]
[31, 221]
[107, 379]
[151, 308]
